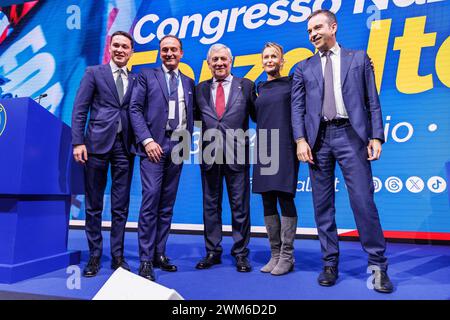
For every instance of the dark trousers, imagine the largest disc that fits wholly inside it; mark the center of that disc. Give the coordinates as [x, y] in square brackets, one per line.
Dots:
[340, 143]
[159, 189]
[286, 201]
[95, 177]
[238, 188]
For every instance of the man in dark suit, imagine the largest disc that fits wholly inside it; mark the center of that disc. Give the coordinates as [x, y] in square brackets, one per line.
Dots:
[224, 104]
[104, 95]
[161, 108]
[336, 116]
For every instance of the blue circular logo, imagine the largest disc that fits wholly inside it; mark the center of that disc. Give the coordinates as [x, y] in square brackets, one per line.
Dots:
[2, 119]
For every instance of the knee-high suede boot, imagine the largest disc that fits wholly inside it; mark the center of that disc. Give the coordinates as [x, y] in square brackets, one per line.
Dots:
[273, 227]
[286, 262]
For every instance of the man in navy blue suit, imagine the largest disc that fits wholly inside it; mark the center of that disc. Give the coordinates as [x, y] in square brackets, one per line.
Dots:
[224, 104]
[104, 95]
[336, 117]
[161, 110]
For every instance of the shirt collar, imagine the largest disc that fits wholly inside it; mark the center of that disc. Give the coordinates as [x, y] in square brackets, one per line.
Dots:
[336, 49]
[177, 72]
[114, 67]
[227, 79]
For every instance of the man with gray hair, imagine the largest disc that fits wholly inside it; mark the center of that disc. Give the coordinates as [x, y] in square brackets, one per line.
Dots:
[224, 104]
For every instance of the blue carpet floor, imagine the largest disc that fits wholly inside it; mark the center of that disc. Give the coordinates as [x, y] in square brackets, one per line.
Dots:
[417, 271]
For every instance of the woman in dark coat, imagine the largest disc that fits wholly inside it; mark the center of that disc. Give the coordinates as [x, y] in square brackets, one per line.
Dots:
[276, 181]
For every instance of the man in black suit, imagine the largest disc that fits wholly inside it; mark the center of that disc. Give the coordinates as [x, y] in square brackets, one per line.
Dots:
[224, 104]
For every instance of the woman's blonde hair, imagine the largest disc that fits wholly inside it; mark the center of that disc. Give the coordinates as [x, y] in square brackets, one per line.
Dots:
[275, 46]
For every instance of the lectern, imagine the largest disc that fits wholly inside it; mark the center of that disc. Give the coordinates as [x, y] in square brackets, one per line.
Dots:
[35, 191]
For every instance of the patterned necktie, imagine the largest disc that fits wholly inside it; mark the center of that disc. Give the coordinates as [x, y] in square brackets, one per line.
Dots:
[173, 95]
[329, 102]
[220, 99]
[119, 85]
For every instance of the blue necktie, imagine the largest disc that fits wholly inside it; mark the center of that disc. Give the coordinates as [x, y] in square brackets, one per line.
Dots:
[173, 95]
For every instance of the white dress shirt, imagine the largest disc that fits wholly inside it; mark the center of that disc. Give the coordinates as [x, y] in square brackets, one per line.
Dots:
[226, 84]
[336, 62]
[115, 72]
[181, 103]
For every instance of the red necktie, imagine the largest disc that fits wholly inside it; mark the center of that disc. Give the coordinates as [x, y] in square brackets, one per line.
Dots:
[220, 100]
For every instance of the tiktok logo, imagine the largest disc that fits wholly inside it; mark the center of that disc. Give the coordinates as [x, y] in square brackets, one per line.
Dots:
[437, 184]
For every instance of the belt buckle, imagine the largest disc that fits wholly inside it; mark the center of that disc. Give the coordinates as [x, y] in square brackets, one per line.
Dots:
[339, 121]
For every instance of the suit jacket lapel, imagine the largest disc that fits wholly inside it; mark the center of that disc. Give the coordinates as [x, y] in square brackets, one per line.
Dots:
[208, 97]
[317, 71]
[131, 79]
[346, 61]
[162, 82]
[107, 74]
[234, 93]
[186, 88]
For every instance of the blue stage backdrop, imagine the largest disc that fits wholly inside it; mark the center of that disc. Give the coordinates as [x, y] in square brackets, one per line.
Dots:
[45, 47]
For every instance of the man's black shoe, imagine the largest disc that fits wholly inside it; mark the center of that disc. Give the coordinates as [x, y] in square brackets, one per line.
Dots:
[208, 261]
[92, 267]
[242, 264]
[381, 282]
[119, 262]
[146, 270]
[162, 262]
[328, 277]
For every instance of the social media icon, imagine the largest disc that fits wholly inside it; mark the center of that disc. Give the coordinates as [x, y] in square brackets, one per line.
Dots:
[393, 184]
[437, 184]
[377, 184]
[414, 184]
